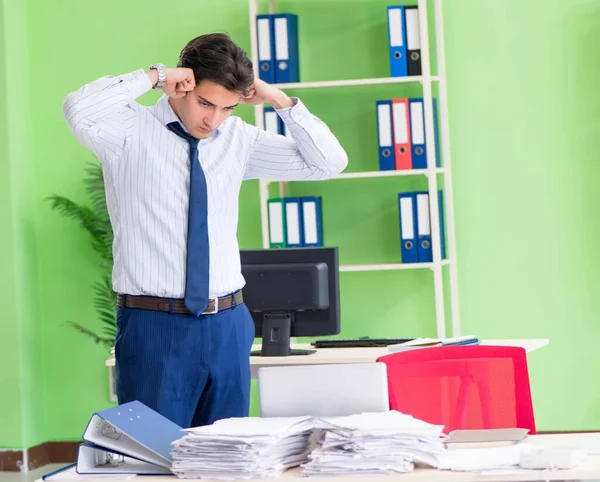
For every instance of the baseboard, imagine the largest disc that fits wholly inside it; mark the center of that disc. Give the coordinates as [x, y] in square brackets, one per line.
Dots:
[38, 456]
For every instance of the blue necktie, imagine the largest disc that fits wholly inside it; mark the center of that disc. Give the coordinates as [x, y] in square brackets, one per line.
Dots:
[196, 278]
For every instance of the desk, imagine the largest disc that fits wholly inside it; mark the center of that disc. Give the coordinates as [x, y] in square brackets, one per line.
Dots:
[590, 469]
[355, 355]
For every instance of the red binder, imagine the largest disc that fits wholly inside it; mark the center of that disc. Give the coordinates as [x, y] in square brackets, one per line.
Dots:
[402, 144]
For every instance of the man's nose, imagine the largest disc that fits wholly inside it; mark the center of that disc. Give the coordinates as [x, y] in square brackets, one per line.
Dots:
[211, 120]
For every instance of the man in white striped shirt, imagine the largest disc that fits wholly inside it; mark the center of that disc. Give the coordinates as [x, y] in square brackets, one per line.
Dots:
[172, 174]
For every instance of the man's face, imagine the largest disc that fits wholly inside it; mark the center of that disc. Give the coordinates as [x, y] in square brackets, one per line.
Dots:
[205, 108]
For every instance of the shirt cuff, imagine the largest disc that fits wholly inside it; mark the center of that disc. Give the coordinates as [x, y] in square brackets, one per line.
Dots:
[294, 114]
[138, 83]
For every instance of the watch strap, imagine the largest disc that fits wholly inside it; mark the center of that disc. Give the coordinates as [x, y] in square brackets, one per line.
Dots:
[162, 75]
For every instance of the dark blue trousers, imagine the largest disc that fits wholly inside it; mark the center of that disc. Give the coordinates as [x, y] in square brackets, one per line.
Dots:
[192, 370]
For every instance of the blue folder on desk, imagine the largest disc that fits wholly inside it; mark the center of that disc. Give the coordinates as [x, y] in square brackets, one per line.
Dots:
[134, 430]
[92, 459]
[66, 472]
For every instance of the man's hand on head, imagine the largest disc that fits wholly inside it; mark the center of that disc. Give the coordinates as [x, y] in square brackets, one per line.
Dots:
[178, 81]
[260, 93]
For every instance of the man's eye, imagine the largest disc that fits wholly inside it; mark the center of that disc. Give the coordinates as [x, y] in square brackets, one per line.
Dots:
[204, 104]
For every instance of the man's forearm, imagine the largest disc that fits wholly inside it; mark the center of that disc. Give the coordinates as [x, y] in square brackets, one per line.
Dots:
[280, 100]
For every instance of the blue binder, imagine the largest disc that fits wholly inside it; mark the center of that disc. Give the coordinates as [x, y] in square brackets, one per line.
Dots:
[93, 459]
[286, 58]
[265, 40]
[397, 41]
[272, 121]
[425, 247]
[385, 135]
[294, 222]
[417, 132]
[407, 212]
[135, 430]
[424, 252]
[436, 136]
[68, 471]
[442, 224]
[312, 214]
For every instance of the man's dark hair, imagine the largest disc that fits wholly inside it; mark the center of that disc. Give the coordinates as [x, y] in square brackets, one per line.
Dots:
[217, 58]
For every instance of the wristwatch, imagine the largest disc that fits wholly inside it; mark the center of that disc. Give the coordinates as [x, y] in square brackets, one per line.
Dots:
[162, 75]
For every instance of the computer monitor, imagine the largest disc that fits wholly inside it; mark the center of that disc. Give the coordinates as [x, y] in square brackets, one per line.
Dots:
[291, 292]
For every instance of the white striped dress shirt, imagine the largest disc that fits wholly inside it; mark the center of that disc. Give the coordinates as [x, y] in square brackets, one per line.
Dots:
[146, 172]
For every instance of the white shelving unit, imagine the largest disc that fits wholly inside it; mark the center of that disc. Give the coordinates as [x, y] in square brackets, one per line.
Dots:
[431, 173]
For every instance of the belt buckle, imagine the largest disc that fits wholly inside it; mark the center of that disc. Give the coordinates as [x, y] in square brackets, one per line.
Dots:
[216, 309]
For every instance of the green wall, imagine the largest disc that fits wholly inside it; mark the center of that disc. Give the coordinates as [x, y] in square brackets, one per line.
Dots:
[20, 359]
[9, 327]
[524, 116]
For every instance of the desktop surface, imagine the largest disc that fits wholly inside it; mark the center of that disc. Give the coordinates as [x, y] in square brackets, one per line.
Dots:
[588, 471]
[363, 354]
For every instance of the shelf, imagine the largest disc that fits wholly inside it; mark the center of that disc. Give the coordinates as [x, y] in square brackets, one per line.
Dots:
[353, 82]
[407, 172]
[389, 267]
[367, 174]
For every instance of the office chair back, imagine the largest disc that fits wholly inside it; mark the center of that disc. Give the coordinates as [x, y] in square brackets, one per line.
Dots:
[462, 387]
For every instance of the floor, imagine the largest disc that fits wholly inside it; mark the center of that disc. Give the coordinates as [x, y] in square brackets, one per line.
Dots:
[31, 476]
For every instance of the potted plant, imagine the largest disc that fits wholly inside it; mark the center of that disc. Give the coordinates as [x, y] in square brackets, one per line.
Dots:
[94, 219]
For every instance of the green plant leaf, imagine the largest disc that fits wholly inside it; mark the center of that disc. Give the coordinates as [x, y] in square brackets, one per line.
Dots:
[96, 221]
[107, 340]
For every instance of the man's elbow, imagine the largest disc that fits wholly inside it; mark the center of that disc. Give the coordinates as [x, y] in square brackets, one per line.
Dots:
[337, 163]
[69, 108]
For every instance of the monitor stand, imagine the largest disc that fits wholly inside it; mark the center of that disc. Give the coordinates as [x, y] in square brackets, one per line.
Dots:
[276, 330]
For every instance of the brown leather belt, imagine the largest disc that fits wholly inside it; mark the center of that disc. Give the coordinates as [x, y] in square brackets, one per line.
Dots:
[177, 305]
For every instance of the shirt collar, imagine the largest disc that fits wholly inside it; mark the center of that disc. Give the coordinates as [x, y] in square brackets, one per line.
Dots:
[165, 114]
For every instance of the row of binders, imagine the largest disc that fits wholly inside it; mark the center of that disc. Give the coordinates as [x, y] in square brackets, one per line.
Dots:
[401, 134]
[278, 51]
[404, 41]
[295, 222]
[277, 39]
[415, 227]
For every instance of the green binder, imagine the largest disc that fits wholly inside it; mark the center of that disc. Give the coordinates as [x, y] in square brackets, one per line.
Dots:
[277, 225]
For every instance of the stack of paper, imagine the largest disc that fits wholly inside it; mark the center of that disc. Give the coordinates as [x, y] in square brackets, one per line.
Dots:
[374, 443]
[243, 448]
[432, 342]
[488, 458]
